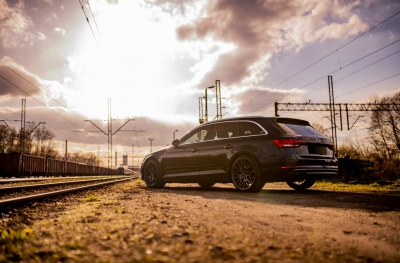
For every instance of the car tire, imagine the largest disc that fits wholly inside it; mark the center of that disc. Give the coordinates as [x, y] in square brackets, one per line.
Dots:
[152, 174]
[245, 174]
[301, 185]
[206, 184]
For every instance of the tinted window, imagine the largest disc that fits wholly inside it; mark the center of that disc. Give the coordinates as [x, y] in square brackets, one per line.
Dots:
[195, 136]
[249, 128]
[223, 131]
[300, 128]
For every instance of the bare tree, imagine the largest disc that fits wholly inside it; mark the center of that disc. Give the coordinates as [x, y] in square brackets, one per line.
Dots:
[385, 129]
[321, 129]
[43, 142]
[8, 139]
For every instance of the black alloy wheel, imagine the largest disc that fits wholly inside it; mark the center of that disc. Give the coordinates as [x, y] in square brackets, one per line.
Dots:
[245, 174]
[152, 174]
[301, 185]
[206, 184]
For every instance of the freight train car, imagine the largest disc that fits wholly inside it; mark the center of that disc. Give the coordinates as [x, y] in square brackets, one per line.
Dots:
[24, 165]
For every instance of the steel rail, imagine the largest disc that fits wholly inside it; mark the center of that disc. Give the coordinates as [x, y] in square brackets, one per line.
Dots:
[33, 186]
[55, 193]
[30, 179]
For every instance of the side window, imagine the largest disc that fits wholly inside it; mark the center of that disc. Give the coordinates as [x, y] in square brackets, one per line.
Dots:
[223, 131]
[198, 135]
[249, 129]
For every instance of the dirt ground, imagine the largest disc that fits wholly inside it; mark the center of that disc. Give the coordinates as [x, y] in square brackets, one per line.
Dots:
[185, 223]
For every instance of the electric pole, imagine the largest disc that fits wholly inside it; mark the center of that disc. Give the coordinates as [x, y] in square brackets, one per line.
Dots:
[109, 132]
[218, 103]
[151, 144]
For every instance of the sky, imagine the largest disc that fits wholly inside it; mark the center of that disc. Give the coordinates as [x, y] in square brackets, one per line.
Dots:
[149, 61]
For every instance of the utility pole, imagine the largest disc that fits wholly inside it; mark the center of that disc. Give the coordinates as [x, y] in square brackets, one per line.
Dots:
[151, 144]
[332, 111]
[23, 131]
[109, 132]
[206, 104]
[23, 109]
[201, 116]
[348, 107]
[218, 97]
[218, 102]
[332, 108]
[66, 150]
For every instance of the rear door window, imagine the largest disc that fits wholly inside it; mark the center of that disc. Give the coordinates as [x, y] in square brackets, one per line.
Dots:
[250, 129]
[223, 131]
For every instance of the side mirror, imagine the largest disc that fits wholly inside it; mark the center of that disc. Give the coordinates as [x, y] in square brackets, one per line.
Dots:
[175, 143]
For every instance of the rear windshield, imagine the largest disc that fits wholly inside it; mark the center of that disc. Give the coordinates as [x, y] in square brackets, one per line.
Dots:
[298, 127]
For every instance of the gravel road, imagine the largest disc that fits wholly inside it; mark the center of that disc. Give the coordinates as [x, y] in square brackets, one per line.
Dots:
[185, 223]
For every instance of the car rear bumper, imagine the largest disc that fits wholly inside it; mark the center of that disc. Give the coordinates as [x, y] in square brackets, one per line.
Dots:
[299, 173]
[315, 172]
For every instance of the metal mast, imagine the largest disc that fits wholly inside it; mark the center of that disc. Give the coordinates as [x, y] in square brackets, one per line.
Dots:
[201, 116]
[22, 135]
[109, 133]
[151, 144]
[332, 111]
[218, 97]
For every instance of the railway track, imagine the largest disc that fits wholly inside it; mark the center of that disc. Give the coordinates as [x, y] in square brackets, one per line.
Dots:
[26, 193]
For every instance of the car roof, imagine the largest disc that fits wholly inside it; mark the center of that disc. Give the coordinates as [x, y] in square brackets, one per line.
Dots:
[250, 118]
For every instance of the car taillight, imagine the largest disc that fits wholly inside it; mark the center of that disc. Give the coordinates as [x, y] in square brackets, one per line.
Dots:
[289, 143]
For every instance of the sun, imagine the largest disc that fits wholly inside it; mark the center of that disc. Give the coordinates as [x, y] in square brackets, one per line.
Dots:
[128, 63]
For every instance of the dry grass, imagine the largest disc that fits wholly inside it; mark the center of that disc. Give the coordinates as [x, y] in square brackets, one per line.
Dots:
[393, 187]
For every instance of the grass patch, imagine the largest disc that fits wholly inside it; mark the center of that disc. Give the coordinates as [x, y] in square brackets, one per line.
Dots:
[10, 235]
[362, 188]
[92, 198]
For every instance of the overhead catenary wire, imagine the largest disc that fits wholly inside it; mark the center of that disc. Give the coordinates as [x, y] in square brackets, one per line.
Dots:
[341, 68]
[366, 86]
[87, 20]
[94, 19]
[38, 88]
[329, 54]
[352, 73]
[16, 86]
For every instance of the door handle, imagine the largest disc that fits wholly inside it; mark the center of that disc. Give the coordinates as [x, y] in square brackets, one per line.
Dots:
[194, 150]
[228, 146]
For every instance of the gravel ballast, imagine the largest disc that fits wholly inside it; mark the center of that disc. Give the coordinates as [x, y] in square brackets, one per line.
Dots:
[128, 222]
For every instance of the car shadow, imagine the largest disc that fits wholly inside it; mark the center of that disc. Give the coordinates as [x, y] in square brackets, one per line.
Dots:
[308, 198]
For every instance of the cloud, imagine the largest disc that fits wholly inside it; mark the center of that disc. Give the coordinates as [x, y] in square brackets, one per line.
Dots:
[41, 36]
[254, 100]
[261, 28]
[13, 25]
[15, 81]
[59, 31]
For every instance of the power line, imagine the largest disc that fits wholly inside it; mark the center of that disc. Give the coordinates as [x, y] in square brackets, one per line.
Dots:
[335, 71]
[87, 20]
[332, 52]
[366, 86]
[90, 8]
[19, 75]
[16, 86]
[354, 72]
[38, 88]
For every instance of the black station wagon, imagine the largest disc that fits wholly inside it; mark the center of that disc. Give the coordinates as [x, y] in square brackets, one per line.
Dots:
[247, 152]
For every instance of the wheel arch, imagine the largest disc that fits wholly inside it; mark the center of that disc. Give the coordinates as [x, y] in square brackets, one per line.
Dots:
[146, 161]
[241, 153]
